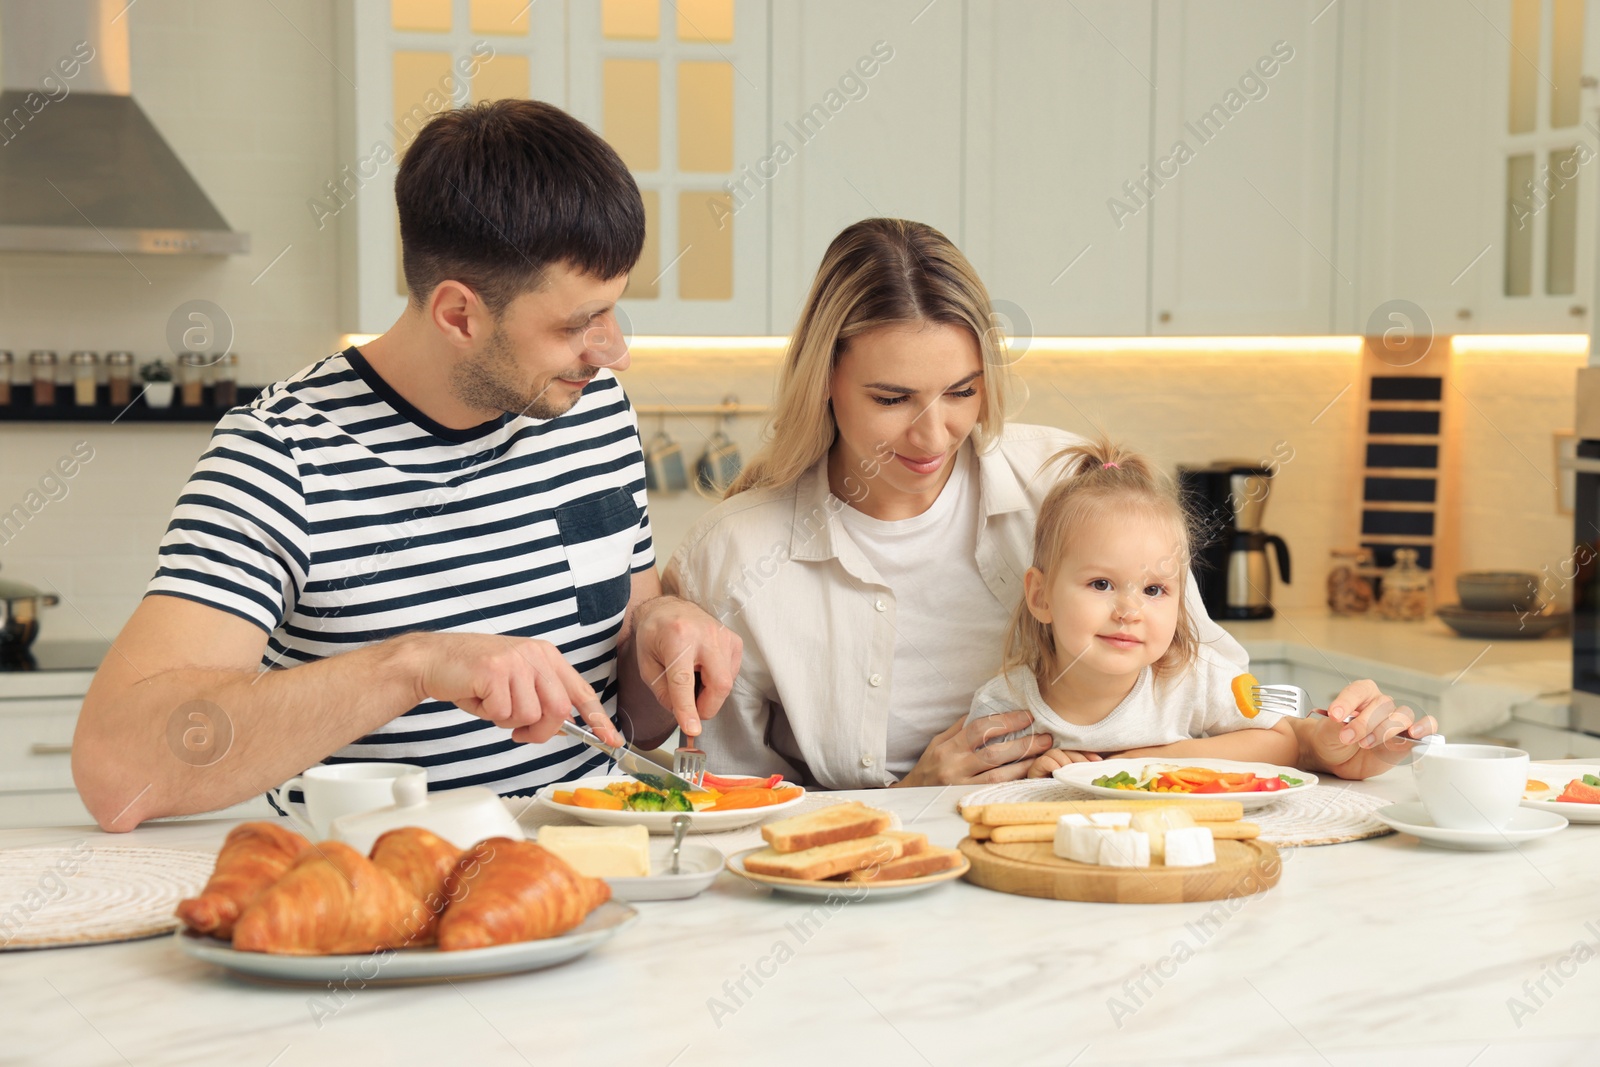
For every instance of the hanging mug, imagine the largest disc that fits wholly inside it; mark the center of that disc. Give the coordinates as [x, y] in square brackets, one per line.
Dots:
[664, 468]
[718, 467]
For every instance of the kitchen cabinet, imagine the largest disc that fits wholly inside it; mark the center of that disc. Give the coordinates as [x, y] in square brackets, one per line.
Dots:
[1241, 191]
[1044, 166]
[868, 99]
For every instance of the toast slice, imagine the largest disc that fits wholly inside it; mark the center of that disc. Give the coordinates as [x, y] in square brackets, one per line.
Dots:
[825, 861]
[837, 822]
[911, 842]
[930, 860]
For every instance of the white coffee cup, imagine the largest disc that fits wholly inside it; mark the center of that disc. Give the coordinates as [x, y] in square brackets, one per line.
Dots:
[336, 789]
[1471, 787]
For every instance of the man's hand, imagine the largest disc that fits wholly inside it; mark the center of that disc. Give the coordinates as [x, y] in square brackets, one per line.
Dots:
[675, 641]
[1358, 738]
[519, 683]
[972, 752]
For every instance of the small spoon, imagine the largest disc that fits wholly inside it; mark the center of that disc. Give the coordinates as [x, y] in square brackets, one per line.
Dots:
[680, 826]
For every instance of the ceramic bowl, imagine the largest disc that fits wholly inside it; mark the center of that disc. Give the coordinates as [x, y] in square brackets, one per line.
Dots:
[1497, 590]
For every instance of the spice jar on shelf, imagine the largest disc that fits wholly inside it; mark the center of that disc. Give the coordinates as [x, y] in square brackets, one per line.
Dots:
[85, 372]
[43, 365]
[1407, 589]
[6, 364]
[1349, 591]
[225, 386]
[191, 379]
[119, 378]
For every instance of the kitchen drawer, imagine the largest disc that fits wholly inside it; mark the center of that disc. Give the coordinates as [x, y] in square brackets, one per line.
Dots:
[35, 743]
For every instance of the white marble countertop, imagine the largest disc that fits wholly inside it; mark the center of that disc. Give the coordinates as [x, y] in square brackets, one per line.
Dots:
[1374, 952]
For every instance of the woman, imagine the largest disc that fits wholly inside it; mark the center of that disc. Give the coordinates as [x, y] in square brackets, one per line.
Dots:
[869, 557]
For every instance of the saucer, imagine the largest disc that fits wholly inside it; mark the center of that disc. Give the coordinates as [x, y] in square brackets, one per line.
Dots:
[1525, 825]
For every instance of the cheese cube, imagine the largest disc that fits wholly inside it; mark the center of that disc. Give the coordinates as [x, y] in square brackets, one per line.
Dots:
[1083, 842]
[1190, 846]
[1111, 818]
[1064, 825]
[1125, 848]
[601, 851]
[1157, 823]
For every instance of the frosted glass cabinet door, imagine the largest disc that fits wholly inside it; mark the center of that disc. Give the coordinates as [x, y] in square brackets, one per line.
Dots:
[1058, 120]
[1242, 202]
[866, 121]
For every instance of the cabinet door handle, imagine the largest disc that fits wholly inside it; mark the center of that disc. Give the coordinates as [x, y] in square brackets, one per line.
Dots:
[47, 748]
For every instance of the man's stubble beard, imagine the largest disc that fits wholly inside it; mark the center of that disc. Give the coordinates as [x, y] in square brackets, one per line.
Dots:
[490, 381]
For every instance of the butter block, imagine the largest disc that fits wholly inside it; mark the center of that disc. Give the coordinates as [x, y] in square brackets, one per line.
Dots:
[1190, 846]
[1125, 848]
[601, 851]
[1083, 842]
[1156, 823]
[1111, 818]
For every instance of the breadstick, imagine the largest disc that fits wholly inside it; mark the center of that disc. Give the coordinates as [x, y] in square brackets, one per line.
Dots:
[1041, 831]
[979, 832]
[1049, 811]
[973, 814]
[1233, 831]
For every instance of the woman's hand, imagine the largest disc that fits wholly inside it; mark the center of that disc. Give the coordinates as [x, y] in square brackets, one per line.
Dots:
[971, 752]
[1059, 757]
[1358, 738]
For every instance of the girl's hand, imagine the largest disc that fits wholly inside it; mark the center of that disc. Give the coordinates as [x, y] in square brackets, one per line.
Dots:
[970, 752]
[1057, 757]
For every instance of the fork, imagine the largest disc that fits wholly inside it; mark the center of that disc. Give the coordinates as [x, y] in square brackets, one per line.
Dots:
[1293, 701]
[688, 760]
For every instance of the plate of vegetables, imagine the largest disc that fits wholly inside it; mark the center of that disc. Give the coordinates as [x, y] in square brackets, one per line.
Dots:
[1254, 785]
[725, 803]
[1570, 789]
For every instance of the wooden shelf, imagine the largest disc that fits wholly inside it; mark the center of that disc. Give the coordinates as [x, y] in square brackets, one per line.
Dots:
[22, 408]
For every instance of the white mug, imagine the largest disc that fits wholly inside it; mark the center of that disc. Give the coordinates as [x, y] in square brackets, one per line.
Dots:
[1471, 787]
[336, 789]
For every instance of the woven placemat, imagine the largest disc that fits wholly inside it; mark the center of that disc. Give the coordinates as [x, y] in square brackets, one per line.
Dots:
[1321, 815]
[86, 895]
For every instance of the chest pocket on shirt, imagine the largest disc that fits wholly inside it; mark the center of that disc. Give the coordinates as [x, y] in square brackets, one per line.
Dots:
[599, 533]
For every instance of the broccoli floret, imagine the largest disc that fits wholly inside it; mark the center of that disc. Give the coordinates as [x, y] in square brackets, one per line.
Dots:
[646, 801]
[676, 801]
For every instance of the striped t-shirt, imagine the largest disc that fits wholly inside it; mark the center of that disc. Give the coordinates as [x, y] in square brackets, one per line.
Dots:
[332, 514]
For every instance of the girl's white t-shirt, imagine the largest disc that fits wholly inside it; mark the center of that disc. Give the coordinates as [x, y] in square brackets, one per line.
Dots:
[946, 620]
[1196, 702]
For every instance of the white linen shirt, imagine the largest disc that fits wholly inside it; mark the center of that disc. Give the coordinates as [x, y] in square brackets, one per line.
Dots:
[777, 567]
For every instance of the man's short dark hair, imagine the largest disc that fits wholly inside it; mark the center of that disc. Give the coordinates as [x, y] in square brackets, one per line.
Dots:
[492, 195]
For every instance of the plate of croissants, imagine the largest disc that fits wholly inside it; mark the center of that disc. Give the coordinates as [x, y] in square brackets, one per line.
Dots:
[416, 909]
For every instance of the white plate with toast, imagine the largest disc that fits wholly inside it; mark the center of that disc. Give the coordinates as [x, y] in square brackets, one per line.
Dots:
[658, 822]
[842, 888]
[1081, 775]
[411, 966]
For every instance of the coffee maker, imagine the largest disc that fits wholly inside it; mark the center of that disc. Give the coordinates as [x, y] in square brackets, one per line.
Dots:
[1226, 501]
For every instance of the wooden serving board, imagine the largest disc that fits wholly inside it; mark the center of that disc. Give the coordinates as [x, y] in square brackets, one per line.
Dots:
[1032, 869]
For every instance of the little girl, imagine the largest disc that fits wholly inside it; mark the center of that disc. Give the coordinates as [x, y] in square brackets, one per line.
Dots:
[1101, 649]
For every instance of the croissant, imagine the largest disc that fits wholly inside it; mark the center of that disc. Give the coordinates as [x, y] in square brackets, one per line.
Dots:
[334, 901]
[420, 859]
[503, 891]
[253, 857]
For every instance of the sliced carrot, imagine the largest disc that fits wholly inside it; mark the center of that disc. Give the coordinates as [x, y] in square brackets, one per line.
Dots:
[1244, 695]
[754, 798]
[562, 796]
[596, 798]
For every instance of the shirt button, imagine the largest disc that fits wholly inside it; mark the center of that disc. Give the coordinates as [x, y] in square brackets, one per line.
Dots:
[880, 605]
[866, 761]
[875, 680]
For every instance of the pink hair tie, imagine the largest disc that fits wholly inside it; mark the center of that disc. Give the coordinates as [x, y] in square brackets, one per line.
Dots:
[1111, 466]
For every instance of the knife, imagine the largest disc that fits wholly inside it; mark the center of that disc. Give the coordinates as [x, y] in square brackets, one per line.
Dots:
[631, 763]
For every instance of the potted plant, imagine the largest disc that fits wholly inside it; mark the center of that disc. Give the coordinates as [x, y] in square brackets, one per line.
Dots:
[157, 378]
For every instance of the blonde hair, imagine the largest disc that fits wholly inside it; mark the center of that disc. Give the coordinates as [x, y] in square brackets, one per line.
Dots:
[1097, 478]
[877, 272]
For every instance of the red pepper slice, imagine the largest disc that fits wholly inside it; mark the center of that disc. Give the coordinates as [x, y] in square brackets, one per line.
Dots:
[1270, 785]
[723, 785]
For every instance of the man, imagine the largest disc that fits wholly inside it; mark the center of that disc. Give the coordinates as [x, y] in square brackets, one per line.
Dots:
[437, 543]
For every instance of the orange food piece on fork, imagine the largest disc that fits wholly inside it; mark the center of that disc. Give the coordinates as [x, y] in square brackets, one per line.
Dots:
[1244, 695]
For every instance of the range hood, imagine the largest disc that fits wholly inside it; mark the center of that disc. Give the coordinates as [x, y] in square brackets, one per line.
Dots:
[82, 168]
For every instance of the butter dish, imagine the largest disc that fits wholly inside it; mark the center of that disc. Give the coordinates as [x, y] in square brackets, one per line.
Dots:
[462, 817]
